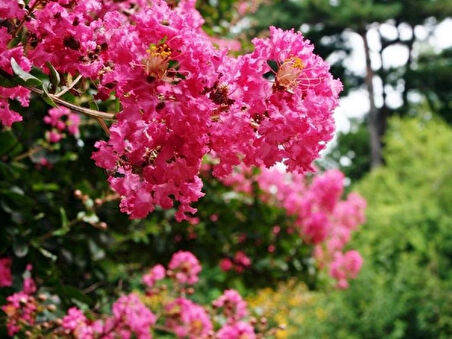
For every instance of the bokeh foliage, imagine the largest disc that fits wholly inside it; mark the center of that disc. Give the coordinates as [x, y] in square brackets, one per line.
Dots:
[404, 289]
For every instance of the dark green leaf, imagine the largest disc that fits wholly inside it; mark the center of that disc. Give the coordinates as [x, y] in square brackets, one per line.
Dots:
[64, 221]
[54, 76]
[71, 292]
[46, 97]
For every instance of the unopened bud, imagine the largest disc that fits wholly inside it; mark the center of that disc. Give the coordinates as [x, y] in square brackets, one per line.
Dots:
[78, 194]
[102, 225]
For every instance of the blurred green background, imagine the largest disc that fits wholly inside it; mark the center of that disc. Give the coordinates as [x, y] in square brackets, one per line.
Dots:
[395, 145]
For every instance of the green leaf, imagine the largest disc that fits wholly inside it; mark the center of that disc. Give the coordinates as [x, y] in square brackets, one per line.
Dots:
[9, 145]
[73, 293]
[24, 76]
[64, 224]
[46, 97]
[64, 221]
[117, 106]
[42, 186]
[14, 42]
[54, 76]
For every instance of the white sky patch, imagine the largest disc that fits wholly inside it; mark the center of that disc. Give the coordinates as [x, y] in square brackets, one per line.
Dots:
[356, 104]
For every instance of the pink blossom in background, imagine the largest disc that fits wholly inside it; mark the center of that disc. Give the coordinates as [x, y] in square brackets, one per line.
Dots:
[241, 261]
[20, 309]
[188, 319]
[228, 44]
[345, 266]
[322, 217]
[29, 285]
[73, 319]
[350, 213]
[55, 118]
[133, 317]
[54, 136]
[155, 273]
[185, 266]
[6, 278]
[237, 330]
[315, 227]
[226, 264]
[234, 307]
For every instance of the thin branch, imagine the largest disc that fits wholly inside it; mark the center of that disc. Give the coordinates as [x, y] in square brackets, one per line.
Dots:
[103, 125]
[75, 108]
[24, 19]
[162, 328]
[92, 287]
[27, 154]
[70, 86]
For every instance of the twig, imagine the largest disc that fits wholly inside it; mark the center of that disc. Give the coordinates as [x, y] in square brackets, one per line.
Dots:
[162, 328]
[70, 86]
[27, 154]
[103, 125]
[92, 287]
[75, 108]
[18, 28]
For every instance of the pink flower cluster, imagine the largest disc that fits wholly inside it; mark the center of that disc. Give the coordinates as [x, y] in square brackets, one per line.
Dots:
[130, 315]
[187, 319]
[237, 330]
[61, 119]
[21, 306]
[6, 278]
[234, 307]
[155, 274]
[345, 266]
[185, 266]
[8, 116]
[238, 263]
[75, 322]
[181, 97]
[131, 318]
[321, 217]
[138, 315]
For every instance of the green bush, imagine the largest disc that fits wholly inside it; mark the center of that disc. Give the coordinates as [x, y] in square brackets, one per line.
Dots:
[405, 287]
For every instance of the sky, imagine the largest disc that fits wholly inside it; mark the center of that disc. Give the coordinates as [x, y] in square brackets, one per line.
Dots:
[356, 104]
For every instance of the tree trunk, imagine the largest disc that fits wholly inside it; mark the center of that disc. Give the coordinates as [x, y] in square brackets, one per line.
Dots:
[373, 125]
